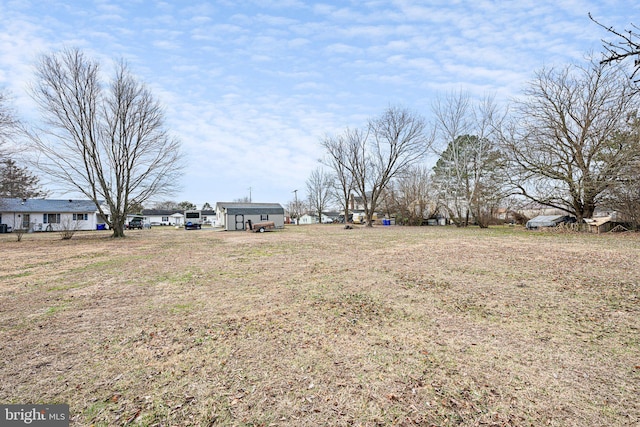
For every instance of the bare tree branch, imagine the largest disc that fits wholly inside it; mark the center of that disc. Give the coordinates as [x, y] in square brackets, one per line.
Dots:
[9, 124]
[628, 45]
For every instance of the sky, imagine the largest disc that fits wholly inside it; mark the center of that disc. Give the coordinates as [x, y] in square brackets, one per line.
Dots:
[251, 87]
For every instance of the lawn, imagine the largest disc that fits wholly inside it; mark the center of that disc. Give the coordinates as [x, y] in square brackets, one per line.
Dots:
[318, 325]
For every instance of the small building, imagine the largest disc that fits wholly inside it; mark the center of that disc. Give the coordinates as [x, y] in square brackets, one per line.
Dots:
[312, 218]
[209, 217]
[234, 216]
[308, 219]
[49, 215]
[601, 224]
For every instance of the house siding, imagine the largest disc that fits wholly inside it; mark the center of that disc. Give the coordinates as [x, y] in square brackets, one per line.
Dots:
[234, 216]
[13, 212]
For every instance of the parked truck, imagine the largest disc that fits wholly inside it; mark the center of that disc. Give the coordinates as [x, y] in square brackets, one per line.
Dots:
[192, 220]
[134, 222]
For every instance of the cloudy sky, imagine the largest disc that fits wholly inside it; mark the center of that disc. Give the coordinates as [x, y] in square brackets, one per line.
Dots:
[251, 86]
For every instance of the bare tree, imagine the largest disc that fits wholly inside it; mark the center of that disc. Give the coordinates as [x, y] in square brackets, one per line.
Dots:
[468, 174]
[390, 144]
[167, 205]
[623, 196]
[572, 135]
[339, 160]
[319, 186]
[627, 45]
[411, 196]
[14, 181]
[187, 205]
[8, 123]
[108, 144]
[295, 208]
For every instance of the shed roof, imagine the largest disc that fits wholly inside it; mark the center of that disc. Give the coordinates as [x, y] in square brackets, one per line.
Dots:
[598, 221]
[47, 205]
[250, 208]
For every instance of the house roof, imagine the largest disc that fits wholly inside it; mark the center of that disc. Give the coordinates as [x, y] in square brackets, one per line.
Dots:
[248, 208]
[47, 205]
[170, 212]
[160, 212]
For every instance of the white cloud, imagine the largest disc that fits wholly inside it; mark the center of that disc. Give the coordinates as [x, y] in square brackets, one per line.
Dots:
[250, 87]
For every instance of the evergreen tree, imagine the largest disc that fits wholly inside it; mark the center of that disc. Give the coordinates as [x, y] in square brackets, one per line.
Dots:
[17, 182]
[468, 178]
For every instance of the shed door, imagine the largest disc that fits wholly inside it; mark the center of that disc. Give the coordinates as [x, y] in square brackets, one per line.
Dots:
[239, 222]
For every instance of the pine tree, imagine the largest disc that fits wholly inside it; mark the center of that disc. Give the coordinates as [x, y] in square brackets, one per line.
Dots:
[17, 182]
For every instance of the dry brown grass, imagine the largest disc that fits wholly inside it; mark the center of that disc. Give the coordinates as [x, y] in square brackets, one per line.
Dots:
[324, 326]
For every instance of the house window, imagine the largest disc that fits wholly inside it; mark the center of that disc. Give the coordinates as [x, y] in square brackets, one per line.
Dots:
[51, 218]
[80, 217]
[165, 219]
[264, 217]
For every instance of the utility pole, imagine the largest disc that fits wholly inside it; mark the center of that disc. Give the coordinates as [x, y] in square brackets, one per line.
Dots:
[249, 194]
[297, 208]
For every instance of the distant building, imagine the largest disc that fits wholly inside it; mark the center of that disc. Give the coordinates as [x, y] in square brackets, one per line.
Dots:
[234, 216]
[49, 215]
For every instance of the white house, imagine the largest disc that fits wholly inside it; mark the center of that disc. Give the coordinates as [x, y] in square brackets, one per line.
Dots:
[156, 217]
[312, 218]
[234, 216]
[49, 215]
[163, 217]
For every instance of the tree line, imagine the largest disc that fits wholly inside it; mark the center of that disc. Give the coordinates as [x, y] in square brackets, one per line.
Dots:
[571, 142]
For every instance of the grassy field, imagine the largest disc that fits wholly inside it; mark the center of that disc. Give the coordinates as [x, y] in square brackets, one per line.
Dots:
[318, 325]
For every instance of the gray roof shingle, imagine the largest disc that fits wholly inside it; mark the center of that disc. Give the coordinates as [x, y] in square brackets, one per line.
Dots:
[47, 205]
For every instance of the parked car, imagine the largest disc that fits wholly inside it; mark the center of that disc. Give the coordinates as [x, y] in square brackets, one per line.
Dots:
[135, 222]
